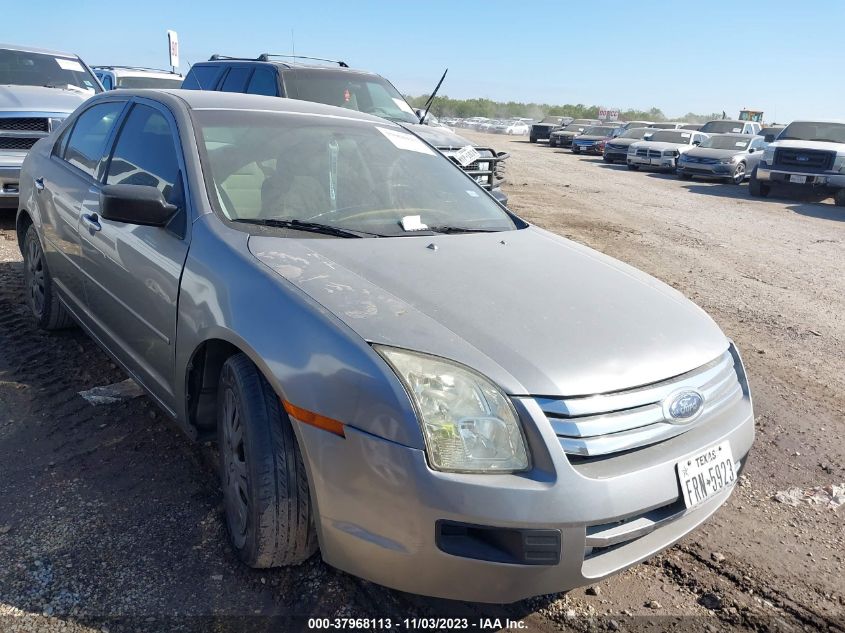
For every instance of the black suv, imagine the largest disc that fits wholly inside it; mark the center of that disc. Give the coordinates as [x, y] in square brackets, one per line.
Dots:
[339, 85]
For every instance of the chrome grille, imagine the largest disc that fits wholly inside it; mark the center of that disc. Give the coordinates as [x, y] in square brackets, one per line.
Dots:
[654, 153]
[804, 158]
[24, 124]
[590, 426]
[17, 142]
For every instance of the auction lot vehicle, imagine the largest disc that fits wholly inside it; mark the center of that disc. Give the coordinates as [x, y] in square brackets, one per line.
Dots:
[113, 77]
[729, 156]
[667, 125]
[808, 155]
[726, 126]
[382, 415]
[617, 148]
[593, 140]
[543, 129]
[770, 133]
[629, 125]
[339, 85]
[38, 89]
[662, 149]
[563, 137]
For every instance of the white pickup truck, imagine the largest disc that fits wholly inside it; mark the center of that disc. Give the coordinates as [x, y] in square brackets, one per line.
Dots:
[807, 154]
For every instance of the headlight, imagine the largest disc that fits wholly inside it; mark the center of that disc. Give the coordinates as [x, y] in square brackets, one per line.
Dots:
[632, 150]
[55, 122]
[769, 155]
[468, 424]
[727, 161]
[839, 163]
[671, 152]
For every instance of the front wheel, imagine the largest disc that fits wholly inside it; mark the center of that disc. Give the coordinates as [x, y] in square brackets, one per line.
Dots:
[684, 176]
[756, 188]
[607, 159]
[633, 167]
[839, 198]
[531, 139]
[739, 174]
[265, 487]
[41, 294]
[575, 150]
[552, 142]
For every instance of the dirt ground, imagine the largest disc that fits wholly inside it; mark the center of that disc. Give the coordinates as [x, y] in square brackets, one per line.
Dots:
[111, 520]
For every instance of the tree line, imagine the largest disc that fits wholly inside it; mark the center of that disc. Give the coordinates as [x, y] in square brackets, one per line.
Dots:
[446, 107]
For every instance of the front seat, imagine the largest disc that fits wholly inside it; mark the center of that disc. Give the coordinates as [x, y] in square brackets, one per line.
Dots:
[299, 187]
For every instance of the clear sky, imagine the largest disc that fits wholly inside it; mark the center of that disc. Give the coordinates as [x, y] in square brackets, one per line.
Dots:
[784, 57]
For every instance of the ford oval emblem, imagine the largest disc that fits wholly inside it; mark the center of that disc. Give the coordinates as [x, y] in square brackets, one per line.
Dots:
[803, 158]
[683, 406]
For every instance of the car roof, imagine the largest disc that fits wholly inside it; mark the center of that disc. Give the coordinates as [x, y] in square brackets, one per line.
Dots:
[138, 71]
[730, 121]
[214, 100]
[285, 65]
[33, 49]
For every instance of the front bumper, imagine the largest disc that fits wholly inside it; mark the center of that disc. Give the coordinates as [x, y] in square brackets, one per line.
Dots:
[657, 162]
[592, 148]
[823, 180]
[381, 508]
[713, 170]
[10, 176]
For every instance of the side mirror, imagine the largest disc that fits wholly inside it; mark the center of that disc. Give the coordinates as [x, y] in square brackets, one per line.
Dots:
[751, 150]
[135, 204]
[696, 142]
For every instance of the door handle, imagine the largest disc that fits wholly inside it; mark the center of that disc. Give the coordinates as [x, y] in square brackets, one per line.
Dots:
[92, 221]
[39, 184]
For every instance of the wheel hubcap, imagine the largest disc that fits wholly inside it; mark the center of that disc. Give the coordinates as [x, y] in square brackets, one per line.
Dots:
[35, 277]
[739, 173]
[234, 471]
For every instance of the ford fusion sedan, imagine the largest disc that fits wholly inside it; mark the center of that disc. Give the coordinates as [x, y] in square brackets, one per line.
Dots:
[728, 156]
[662, 149]
[593, 140]
[344, 309]
[617, 148]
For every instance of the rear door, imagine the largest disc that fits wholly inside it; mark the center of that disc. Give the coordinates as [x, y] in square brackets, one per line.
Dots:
[132, 272]
[68, 189]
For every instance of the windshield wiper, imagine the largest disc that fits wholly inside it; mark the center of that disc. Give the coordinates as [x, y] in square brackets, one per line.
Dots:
[302, 225]
[461, 229]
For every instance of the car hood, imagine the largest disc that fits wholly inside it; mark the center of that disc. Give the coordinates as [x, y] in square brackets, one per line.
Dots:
[822, 145]
[440, 137]
[624, 141]
[539, 314]
[661, 145]
[710, 152]
[592, 137]
[40, 99]
[566, 133]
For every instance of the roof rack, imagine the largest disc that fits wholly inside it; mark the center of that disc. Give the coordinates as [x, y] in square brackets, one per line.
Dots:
[116, 67]
[265, 57]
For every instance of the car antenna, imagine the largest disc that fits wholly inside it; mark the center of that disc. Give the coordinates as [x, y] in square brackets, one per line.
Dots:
[431, 98]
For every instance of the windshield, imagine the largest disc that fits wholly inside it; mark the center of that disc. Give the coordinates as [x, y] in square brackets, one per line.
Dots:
[726, 142]
[20, 68]
[574, 127]
[364, 93]
[598, 131]
[349, 175]
[637, 132]
[149, 82]
[671, 136]
[722, 127]
[813, 131]
[665, 126]
[554, 120]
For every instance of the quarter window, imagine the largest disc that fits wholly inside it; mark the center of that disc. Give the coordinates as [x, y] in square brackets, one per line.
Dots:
[235, 80]
[203, 77]
[263, 82]
[87, 143]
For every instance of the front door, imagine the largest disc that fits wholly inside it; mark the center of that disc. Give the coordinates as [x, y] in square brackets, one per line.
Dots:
[132, 272]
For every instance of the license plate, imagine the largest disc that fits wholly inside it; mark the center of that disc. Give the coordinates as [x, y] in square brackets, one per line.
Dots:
[799, 180]
[466, 155]
[706, 474]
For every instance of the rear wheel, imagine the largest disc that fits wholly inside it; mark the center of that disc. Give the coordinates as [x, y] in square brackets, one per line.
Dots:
[41, 294]
[265, 487]
[756, 188]
[739, 174]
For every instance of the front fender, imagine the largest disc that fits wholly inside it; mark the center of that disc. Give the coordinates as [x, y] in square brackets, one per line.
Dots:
[309, 356]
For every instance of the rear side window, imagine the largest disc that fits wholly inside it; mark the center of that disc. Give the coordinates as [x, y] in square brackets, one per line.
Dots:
[263, 82]
[105, 80]
[87, 142]
[202, 77]
[145, 154]
[235, 80]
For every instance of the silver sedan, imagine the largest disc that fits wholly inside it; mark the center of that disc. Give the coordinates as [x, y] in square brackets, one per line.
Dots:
[398, 370]
[732, 157]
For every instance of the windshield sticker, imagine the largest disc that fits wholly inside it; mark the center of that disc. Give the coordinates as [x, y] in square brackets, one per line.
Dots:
[69, 64]
[405, 141]
[737, 129]
[467, 155]
[685, 135]
[400, 103]
[413, 223]
[740, 143]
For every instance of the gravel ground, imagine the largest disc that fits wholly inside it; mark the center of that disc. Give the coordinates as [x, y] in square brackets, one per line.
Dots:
[111, 520]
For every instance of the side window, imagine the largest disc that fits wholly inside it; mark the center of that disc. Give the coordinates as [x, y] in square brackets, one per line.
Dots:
[87, 142]
[106, 81]
[263, 82]
[145, 154]
[235, 80]
[202, 77]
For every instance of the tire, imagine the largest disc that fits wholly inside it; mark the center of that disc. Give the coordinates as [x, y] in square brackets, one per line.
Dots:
[633, 167]
[552, 142]
[684, 176]
[607, 159]
[839, 198]
[531, 139]
[41, 294]
[756, 188]
[739, 174]
[575, 150]
[268, 507]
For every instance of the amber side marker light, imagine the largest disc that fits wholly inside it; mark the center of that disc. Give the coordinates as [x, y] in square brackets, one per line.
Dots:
[314, 419]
